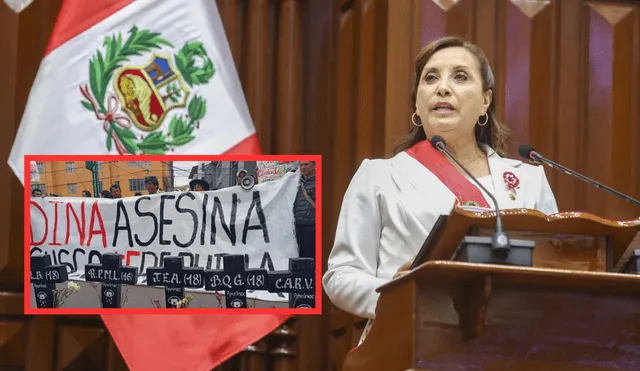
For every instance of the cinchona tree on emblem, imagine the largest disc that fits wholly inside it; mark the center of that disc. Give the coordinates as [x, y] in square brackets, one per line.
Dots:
[123, 95]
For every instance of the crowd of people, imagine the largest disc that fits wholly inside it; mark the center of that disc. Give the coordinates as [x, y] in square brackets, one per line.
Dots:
[151, 183]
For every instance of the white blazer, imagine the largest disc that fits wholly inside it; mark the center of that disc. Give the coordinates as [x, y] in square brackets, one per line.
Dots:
[388, 211]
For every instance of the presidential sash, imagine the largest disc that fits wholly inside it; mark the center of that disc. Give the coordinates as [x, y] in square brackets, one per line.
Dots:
[466, 192]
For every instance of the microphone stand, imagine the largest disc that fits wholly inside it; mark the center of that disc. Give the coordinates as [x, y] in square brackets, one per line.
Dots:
[629, 263]
[497, 249]
[536, 157]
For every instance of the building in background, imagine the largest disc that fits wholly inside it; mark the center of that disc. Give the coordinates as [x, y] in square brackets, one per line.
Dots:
[221, 174]
[69, 179]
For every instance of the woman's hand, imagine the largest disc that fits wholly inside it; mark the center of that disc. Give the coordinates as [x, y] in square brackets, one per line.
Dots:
[404, 269]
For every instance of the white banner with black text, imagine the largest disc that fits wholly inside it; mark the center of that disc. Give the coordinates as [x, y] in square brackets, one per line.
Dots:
[201, 226]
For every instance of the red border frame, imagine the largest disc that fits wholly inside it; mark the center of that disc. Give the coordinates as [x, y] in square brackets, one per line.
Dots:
[101, 311]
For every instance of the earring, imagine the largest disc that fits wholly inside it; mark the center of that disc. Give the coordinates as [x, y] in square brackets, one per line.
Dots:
[413, 120]
[485, 121]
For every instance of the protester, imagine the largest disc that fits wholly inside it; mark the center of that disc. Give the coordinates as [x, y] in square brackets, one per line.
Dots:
[115, 190]
[152, 185]
[199, 185]
[305, 210]
[239, 175]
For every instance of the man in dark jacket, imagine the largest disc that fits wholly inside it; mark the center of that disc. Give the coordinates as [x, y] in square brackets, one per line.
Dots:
[304, 210]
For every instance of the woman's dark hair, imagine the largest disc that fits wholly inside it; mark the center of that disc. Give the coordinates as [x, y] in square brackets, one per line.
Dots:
[495, 134]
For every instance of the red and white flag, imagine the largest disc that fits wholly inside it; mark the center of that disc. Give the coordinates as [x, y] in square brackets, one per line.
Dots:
[156, 77]
[136, 77]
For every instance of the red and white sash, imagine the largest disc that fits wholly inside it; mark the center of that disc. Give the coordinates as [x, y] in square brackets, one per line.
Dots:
[465, 191]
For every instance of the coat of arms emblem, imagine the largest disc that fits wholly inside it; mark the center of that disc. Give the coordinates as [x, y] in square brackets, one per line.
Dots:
[129, 98]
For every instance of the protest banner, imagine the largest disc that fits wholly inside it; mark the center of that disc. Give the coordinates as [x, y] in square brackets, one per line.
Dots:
[201, 227]
[268, 171]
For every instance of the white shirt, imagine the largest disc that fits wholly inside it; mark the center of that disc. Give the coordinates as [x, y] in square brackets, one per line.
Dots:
[389, 209]
[486, 182]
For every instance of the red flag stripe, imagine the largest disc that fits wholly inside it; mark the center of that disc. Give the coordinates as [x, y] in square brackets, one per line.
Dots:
[77, 16]
[178, 342]
[249, 145]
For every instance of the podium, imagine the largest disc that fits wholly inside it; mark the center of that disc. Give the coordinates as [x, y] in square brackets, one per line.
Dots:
[574, 309]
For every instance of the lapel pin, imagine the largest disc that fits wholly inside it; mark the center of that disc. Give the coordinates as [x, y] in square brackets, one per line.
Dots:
[512, 182]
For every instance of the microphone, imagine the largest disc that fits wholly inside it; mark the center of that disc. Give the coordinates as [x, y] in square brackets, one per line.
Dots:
[529, 153]
[499, 241]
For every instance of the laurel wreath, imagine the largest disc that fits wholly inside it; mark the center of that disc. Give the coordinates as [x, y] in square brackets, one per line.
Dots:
[181, 127]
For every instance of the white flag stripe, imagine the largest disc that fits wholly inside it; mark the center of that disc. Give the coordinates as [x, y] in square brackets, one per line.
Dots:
[56, 122]
[18, 5]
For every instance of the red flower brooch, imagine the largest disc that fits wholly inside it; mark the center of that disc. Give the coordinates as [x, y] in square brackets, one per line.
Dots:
[512, 182]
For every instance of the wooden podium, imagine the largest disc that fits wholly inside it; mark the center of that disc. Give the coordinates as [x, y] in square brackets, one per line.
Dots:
[570, 311]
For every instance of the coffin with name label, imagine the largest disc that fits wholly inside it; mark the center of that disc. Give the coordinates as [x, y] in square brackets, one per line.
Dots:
[111, 285]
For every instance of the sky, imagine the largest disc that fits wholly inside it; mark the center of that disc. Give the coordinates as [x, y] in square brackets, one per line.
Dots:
[181, 171]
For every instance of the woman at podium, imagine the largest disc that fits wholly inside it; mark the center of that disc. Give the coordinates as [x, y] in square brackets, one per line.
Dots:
[392, 204]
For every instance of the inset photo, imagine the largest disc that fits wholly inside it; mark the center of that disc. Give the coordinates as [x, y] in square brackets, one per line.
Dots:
[172, 234]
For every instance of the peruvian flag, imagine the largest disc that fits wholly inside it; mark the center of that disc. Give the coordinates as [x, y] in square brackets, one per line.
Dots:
[135, 77]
